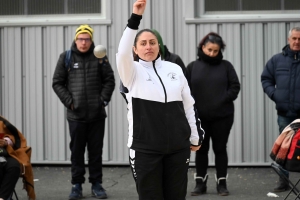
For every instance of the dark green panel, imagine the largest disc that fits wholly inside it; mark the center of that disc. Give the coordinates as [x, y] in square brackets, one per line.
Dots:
[252, 5]
[221, 5]
[84, 6]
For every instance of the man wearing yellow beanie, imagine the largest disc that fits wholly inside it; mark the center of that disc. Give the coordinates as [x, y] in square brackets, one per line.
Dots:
[84, 37]
[85, 86]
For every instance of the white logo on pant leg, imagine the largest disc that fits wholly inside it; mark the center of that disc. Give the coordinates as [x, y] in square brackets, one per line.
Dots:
[132, 160]
[187, 160]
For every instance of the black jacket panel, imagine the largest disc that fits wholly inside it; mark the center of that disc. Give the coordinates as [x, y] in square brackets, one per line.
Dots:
[167, 132]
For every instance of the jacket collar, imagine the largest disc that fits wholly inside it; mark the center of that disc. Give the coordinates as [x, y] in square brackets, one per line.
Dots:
[286, 51]
[150, 64]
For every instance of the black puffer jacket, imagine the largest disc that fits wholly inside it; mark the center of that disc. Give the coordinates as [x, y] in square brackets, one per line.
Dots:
[88, 85]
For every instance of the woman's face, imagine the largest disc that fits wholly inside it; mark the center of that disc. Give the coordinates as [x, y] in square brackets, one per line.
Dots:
[211, 49]
[147, 47]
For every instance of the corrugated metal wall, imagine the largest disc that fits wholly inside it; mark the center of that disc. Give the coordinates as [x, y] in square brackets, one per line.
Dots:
[28, 56]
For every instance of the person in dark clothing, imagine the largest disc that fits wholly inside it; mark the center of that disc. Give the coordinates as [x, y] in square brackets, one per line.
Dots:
[14, 161]
[166, 54]
[9, 170]
[85, 88]
[281, 82]
[214, 85]
[163, 127]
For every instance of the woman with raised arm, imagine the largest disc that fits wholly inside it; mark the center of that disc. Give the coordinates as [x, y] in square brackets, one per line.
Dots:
[163, 129]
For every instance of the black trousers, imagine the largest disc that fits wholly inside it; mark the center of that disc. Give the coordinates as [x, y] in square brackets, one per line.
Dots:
[160, 176]
[88, 134]
[9, 175]
[218, 131]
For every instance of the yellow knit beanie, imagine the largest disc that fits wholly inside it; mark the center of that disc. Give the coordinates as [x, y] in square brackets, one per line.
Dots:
[84, 28]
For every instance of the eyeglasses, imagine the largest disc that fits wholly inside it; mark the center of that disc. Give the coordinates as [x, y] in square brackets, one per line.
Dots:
[214, 38]
[84, 39]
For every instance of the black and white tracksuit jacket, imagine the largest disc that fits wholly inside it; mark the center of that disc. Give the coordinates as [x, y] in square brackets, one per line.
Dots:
[161, 112]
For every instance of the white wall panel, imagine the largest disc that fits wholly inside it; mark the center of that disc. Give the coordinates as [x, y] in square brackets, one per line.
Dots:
[29, 55]
[56, 144]
[252, 93]
[231, 34]
[12, 67]
[162, 23]
[118, 150]
[33, 92]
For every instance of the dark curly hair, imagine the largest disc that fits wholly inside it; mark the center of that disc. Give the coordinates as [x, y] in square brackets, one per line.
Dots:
[213, 38]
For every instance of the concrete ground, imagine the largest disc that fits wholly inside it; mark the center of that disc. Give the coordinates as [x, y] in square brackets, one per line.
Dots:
[53, 183]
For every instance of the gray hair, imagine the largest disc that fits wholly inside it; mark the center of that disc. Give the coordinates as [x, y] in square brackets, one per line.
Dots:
[294, 29]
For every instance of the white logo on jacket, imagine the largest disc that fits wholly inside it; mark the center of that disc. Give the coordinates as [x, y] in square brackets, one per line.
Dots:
[149, 78]
[75, 65]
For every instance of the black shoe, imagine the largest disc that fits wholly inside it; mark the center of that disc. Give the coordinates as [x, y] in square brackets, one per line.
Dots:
[281, 186]
[222, 186]
[200, 185]
[76, 192]
[98, 191]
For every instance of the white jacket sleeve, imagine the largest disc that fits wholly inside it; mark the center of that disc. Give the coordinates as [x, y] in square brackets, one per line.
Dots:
[188, 103]
[124, 56]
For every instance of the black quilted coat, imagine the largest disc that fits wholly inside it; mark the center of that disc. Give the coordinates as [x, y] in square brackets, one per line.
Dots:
[88, 84]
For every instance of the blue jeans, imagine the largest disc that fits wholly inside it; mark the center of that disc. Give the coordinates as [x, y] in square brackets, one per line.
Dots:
[282, 123]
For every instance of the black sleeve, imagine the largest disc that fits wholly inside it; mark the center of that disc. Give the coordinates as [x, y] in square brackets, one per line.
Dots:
[134, 21]
[59, 82]
[108, 80]
[188, 72]
[233, 83]
[181, 64]
[268, 79]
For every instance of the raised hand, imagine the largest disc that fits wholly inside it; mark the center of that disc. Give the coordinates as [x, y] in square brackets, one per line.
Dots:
[139, 7]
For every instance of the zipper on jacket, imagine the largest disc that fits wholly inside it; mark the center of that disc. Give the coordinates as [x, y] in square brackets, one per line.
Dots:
[166, 113]
[160, 81]
[85, 90]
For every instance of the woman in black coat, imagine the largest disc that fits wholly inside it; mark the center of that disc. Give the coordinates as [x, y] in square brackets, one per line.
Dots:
[214, 85]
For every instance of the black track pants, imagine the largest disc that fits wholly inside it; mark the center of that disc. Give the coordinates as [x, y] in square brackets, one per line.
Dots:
[160, 176]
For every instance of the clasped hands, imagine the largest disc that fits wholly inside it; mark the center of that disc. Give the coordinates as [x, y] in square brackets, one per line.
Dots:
[3, 143]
